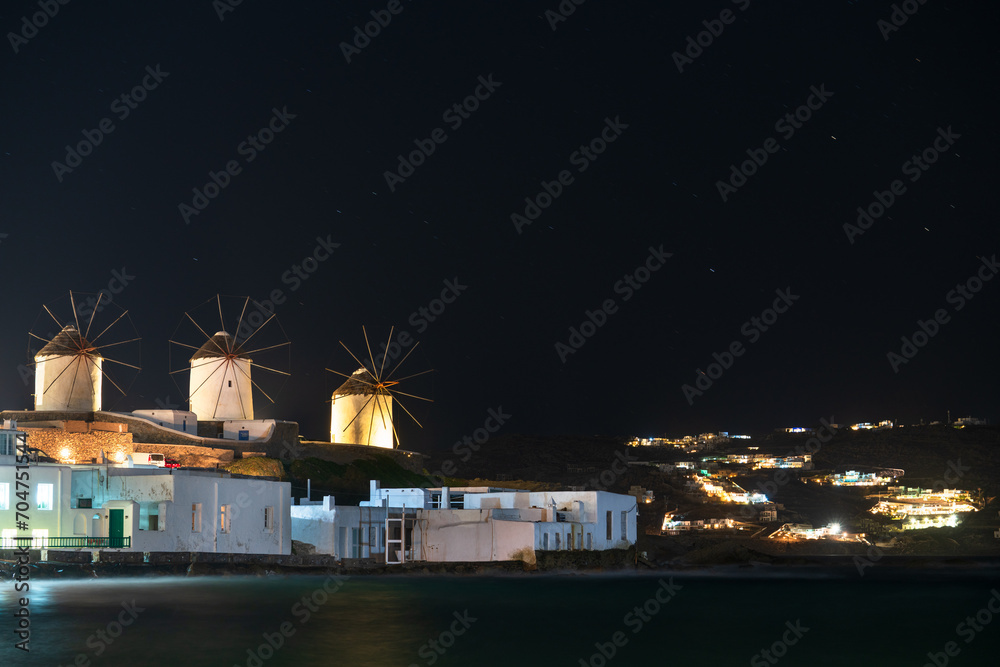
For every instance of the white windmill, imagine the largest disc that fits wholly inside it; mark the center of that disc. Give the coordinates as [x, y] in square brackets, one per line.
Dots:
[225, 368]
[361, 410]
[73, 363]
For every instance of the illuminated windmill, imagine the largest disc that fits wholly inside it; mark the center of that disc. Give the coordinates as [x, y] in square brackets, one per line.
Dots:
[226, 367]
[361, 410]
[74, 362]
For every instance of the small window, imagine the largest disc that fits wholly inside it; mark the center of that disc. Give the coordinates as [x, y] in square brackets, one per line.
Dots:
[45, 496]
[558, 542]
[224, 519]
[4, 495]
[7, 536]
[545, 542]
[610, 531]
[196, 518]
[590, 541]
[230, 383]
[625, 525]
[268, 519]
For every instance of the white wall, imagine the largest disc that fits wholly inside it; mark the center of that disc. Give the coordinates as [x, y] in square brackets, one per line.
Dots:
[587, 507]
[53, 520]
[83, 394]
[175, 494]
[328, 528]
[258, 429]
[409, 498]
[167, 494]
[220, 389]
[178, 420]
[372, 427]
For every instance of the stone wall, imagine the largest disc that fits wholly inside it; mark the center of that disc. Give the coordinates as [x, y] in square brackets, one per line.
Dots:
[82, 446]
[189, 455]
[284, 443]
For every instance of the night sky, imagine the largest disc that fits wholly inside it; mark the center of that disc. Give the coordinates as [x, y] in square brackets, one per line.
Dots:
[216, 75]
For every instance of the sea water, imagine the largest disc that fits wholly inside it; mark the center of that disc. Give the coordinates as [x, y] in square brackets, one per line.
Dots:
[804, 616]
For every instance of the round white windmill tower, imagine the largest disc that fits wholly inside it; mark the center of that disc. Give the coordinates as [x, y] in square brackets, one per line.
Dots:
[68, 373]
[220, 385]
[361, 412]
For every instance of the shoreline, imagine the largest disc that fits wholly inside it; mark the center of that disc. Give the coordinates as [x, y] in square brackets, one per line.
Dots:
[786, 566]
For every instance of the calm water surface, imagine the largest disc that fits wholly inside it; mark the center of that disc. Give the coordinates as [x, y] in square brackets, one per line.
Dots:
[722, 617]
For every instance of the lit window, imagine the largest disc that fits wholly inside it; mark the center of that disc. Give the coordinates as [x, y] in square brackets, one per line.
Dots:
[196, 518]
[45, 496]
[40, 538]
[7, 536]
[224, 519]
[4, 496]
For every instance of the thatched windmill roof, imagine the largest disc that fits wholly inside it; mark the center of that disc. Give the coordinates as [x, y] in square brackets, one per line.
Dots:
[68, 342]
[219, 345]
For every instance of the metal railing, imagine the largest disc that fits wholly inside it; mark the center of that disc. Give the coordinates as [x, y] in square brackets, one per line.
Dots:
[67, 542]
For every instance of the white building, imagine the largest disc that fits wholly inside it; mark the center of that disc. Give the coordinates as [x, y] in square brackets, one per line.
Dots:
[220, 386]
[344, 531]
[143, 509]
[68, 373]
[361, 413]
[467, 524]
[178, 420]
